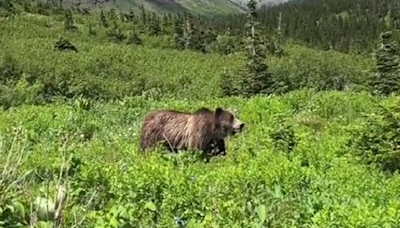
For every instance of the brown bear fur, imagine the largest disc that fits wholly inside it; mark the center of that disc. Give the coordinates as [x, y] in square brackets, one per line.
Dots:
[203, 130]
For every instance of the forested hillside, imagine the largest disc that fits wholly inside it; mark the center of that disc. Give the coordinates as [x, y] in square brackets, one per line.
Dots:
[320, 147]
[345, 25]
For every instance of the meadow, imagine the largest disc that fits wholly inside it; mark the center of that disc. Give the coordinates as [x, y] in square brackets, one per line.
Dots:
[296, 164]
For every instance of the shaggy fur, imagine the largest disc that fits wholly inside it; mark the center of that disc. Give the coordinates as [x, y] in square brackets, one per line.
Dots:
[203, 130]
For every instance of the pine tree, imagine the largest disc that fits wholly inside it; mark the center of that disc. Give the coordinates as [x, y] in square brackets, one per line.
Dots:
[166, 24]
[275, 43]
[131, 15]
[143, 14]
[188, 32]
[178, 33]
[69, 21]
[134, 38]
[112, 14]
[115, 33]
[7, 8]
[256, 78]
[154, 26]
[103, 19]
[226, 43]
[387, 76]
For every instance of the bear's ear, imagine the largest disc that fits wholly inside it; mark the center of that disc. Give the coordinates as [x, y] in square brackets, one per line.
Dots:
[218, 111]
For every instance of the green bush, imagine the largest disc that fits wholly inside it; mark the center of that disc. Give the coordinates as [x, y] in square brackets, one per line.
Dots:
[378, 142]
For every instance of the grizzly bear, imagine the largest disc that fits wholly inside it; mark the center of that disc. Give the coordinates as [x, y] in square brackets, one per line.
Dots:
[203, 130]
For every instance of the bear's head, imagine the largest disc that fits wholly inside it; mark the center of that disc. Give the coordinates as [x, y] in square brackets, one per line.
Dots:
[230, 125]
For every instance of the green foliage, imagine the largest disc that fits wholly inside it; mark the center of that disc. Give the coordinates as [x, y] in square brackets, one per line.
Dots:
[386, 80]
[284, 137]
[87, 133]
[69, 21]
[377, 143]
[134, 38]
[226, 44]
[103, 19]
[342, 25]
[64, 44]
[178, 33]
[105, 69]
[154, 27]
[115, 34]
[255, 77]
[126, 188]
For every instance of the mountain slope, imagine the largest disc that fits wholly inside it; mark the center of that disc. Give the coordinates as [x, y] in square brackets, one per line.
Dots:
[203, 7]
[243, 3]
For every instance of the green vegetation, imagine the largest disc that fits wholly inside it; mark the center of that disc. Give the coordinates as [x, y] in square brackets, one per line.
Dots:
[342, 25]
[319, 151]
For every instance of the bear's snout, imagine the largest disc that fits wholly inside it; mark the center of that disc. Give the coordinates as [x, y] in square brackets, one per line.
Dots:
[238, 126]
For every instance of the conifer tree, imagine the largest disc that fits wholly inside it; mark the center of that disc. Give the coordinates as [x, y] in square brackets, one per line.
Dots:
[188, 32]
[8, 7]
[131, 15]
[112, 14]
[143, 14]
[275, 43]
[103, 19]
[134, 38]
[178, 33]
[226, 43]
[256, 78]
[115, 33]
[166, 24]
[69, 21]
[154, 26]
[387, 76]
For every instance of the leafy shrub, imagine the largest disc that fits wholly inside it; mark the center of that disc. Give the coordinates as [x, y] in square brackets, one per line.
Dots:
[378, 142]
[283, 136]
[10, 70]
[64, 44]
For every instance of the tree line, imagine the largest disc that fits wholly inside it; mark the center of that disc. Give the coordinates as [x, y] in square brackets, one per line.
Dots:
[343, 25]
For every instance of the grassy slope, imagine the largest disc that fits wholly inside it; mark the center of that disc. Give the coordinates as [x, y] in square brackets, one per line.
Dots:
[321, 188]
[188, 75]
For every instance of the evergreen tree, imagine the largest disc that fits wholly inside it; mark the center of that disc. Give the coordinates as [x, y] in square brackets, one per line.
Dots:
[103, 19]
[275, 43]
[91, 31]
[131, 15]
[226, 43]
[178, 33]
[154, 26]
[69, 21]
[387, 77]
[115, 33]
[112, 15]
[7, 8]
[188, 32]
[143, 14]
[202, 42]
[256, 78]
[166, 24]
[134, 38]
